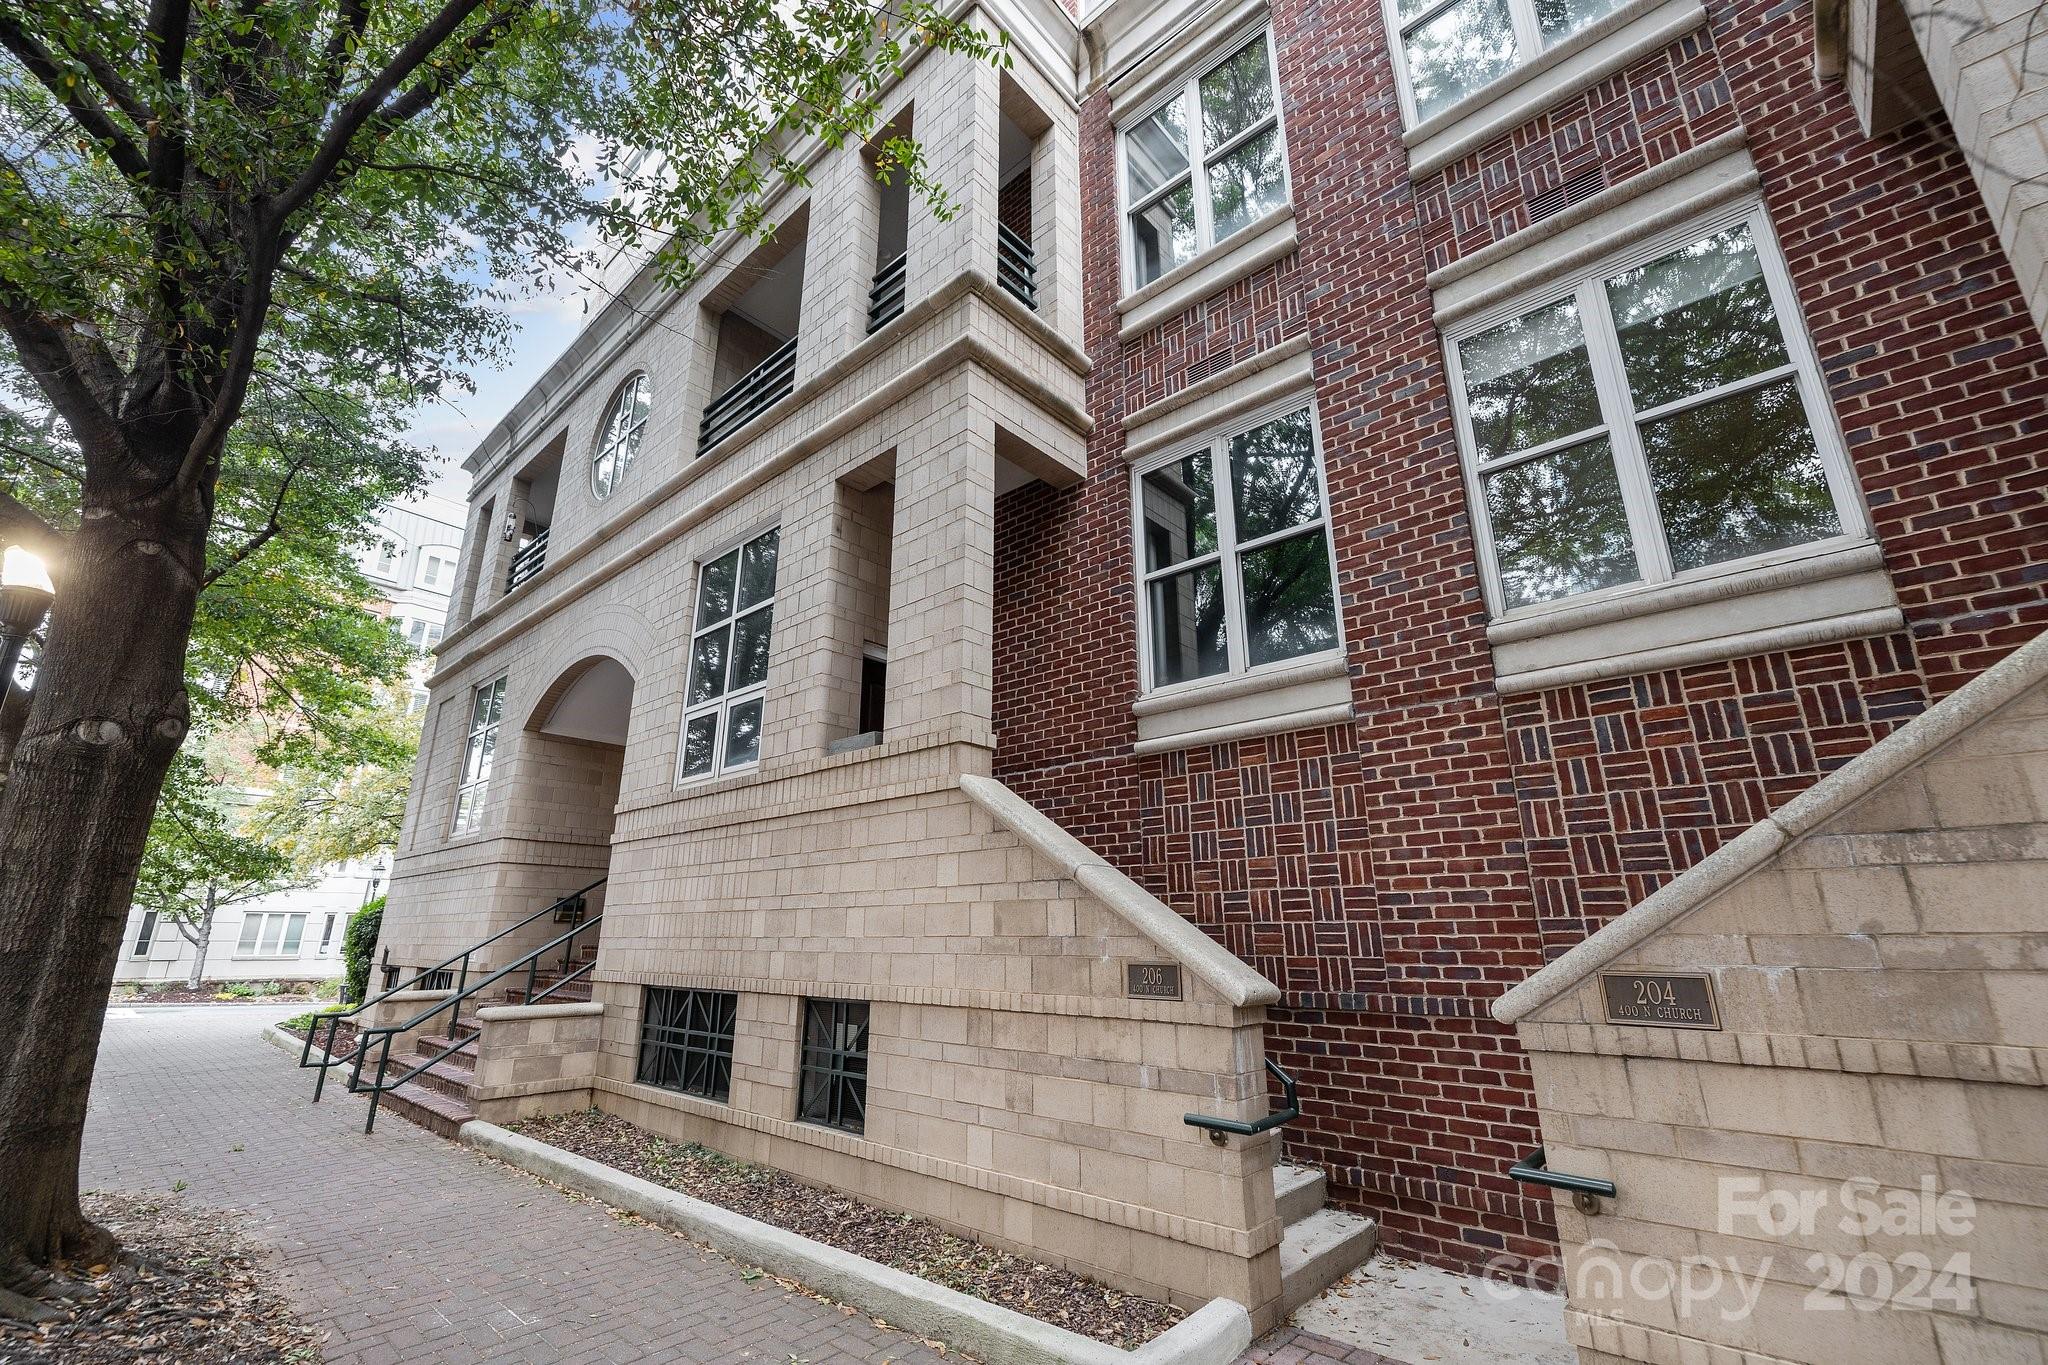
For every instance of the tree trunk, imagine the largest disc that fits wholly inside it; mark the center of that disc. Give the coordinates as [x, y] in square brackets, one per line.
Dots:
[199, 944]
[108, 714]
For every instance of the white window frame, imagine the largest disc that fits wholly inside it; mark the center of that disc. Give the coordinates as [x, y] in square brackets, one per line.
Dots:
[1529, 45]
[1621, 422]
[432, 566]
[1216, 442]
[146, 934]
[722, 704]
[1199, 156]
[628, 449]
[384, 562]
[249, 945]
[468, 816]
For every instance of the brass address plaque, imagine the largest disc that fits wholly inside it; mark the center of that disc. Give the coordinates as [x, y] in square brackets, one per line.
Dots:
[1660, 999]
[1152, 980]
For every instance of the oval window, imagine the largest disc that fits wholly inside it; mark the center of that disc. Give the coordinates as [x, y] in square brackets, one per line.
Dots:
[618, 440]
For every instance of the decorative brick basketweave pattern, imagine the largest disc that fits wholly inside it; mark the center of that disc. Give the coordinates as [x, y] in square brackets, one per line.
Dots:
[1395, 874]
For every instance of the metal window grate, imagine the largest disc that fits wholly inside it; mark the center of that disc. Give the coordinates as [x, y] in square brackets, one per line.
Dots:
[439, 980]
[885, 295]
[686, 1041]
[834, 1085]
[1017, 266]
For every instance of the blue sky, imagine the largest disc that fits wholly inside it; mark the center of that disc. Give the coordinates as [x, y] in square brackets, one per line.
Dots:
[452, 428]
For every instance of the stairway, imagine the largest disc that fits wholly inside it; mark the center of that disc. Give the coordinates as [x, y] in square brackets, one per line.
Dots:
[442, 1098]
[1321, 1246]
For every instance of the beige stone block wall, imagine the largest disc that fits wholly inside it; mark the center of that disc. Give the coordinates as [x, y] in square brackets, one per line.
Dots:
[1860, 1152]
[539, 1059]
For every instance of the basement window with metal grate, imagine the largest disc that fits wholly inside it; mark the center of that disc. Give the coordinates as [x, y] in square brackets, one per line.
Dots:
[686, 1041]
[833, 1089]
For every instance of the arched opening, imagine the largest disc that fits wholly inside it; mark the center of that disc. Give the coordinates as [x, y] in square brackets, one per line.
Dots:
[565, 790]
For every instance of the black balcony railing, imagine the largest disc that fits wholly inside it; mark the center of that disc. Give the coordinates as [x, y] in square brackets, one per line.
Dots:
[885, 295]
[760, 389]
[1016, 267]
[531, 559]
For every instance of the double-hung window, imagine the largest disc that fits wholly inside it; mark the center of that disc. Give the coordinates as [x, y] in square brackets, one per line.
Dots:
[1234, 551]
[146, 934]
[728, 687]
[1659, 418]
[270, 935]
[1205, 163]
[1452, 48]
[487, 706]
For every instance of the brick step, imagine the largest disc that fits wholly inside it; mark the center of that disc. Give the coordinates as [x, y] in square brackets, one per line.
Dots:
[1320, 1250]
[457, 1082]
[1297, 1192]
[431, 1043]
[430, 1109]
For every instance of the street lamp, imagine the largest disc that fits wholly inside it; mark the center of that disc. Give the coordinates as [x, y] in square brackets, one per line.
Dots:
[376, 874]
[25, 595]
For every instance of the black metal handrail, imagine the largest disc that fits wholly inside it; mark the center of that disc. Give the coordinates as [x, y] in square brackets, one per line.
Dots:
[334, 1021]
[1586, 1190]
[1017, 267]
[531, 559]
[381, 1037]
[1219, 1127]
[885, 295]
[759, 389]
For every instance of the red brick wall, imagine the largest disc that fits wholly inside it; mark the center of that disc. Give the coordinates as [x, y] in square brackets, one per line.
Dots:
[1395, 874]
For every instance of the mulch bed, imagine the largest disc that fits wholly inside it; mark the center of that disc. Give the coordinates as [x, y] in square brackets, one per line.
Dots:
[894, 1239]
[187, 1288]
[205, 995]
[344, 1034]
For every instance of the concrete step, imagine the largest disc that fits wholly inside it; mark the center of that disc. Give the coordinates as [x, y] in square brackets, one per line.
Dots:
[1298, 1192]
[430, 1109]
[1320, 1250]
[577, 992]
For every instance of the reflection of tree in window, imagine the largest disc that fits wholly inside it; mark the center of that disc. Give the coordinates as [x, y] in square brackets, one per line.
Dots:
[1694, 319]
[1559, 526]
[1529, 381]
[1739, 476]
[1288, 604]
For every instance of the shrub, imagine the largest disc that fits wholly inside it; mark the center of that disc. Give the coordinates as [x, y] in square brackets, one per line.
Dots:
[358, 945]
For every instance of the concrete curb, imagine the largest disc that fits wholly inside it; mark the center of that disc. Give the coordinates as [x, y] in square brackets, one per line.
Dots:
[1215, 1335]
[278, 1038]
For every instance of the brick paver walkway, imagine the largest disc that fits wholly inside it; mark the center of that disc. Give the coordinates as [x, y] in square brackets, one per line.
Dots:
[407, 1248]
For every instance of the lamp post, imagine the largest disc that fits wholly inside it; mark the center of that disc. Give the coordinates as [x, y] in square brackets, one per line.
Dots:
[25, 595]
[376, 875]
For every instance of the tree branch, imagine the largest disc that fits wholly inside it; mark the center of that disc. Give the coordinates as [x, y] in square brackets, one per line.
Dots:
[357, 113]
[263, 537]
[119, 147]
[19, 525]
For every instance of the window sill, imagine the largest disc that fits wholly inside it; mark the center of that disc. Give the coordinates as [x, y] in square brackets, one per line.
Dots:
[1597, 51]
[1814, 595]
[1251, 248]
[1293, 696]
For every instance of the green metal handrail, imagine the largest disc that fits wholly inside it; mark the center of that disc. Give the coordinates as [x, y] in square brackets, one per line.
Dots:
[383, 1035]
[1218, 1128]
[335, 1021]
